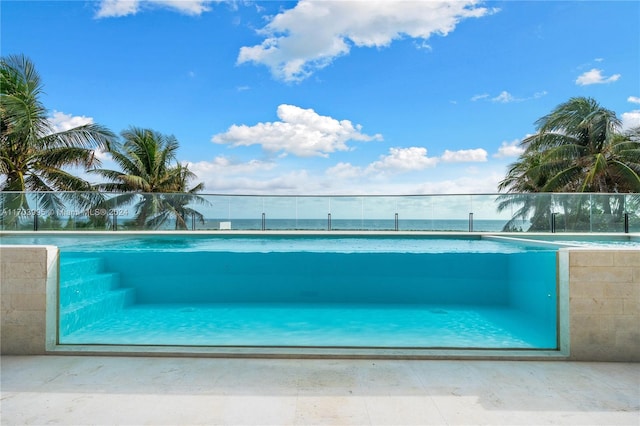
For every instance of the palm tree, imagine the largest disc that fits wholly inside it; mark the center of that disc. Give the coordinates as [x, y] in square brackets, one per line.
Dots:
[33, 156]
[147, 161]
[578, 147]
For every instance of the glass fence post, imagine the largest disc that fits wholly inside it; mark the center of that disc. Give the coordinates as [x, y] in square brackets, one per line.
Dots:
[626, 223]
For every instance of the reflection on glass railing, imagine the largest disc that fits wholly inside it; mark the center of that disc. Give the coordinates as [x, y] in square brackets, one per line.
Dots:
[541, 212]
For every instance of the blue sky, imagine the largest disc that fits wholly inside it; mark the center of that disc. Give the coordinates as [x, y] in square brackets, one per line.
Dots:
[330, 97]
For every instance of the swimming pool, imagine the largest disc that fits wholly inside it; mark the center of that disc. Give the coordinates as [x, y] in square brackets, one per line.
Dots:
[337, 291]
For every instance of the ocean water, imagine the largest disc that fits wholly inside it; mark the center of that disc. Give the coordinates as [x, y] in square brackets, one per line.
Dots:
[355, 224]
[312, 291]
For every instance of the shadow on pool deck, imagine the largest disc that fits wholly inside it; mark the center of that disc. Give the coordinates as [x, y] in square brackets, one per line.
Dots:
[142, 390]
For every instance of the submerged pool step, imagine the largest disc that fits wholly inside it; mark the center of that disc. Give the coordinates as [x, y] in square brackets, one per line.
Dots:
[88, 293]
[77, 290]
[75, 268]
[82, 313]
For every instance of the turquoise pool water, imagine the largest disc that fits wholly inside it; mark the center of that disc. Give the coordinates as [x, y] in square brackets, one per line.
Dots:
[307, 291]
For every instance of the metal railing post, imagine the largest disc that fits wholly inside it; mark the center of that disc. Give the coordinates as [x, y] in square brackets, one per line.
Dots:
[264, 222]
[396, 222]
[329, 222]
[553, 223]
[626, 223]
[35, 221]
[470, 222]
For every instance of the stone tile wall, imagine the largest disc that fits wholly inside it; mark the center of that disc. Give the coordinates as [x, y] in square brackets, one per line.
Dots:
[604, 304]
[28, 302]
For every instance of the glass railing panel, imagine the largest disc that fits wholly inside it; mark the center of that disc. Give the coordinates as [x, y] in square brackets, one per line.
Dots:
[570, 213]
[210, 212]
[245, 213]
[450, 213]
[541, 212]
[379, 213]
[632, 208]
[24, 211]
[527, 212]
[311, 213]
[415, 213]
[347, 213]
[280, 213]
[486, 217]
[607, 212]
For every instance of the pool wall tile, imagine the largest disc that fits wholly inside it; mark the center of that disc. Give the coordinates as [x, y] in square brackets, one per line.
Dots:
[587, 258]
[28, 290]
[604, 304]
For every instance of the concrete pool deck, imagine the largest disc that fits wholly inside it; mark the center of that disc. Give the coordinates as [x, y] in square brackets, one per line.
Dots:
[78, 390]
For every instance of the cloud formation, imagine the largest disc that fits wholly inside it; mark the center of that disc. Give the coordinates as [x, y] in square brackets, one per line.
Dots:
[633, 99]
[509, 149]
[60, 122]
[631, 119]
[594, 76]
[224, 165]
[403, 160]
[464, 156]
[301, 132]
[505, 97]
[308, 37]
[118, 8]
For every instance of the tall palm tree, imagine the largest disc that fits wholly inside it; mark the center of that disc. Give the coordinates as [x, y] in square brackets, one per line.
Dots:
[150, 174]
[33, 156]
[578, 147]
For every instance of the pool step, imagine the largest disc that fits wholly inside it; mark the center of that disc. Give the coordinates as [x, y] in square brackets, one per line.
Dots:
[81, 314]
[88, 293]
[75, 268]
[77, 290]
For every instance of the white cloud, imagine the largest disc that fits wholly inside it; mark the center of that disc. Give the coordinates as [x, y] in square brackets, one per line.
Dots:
[478, 97]
[594, 76]
[634, 99]
[464, 155]
[301, 40]
[301, 132]
[225, 176]
[61, 122]
[402, 160]
[509, 149]
[344, 171]
[223, 165]
[504, 97]
[631, 119]
[487, 184]
[118, 8]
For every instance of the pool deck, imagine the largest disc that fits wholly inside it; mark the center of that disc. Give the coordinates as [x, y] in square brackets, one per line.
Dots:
[78, 390]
